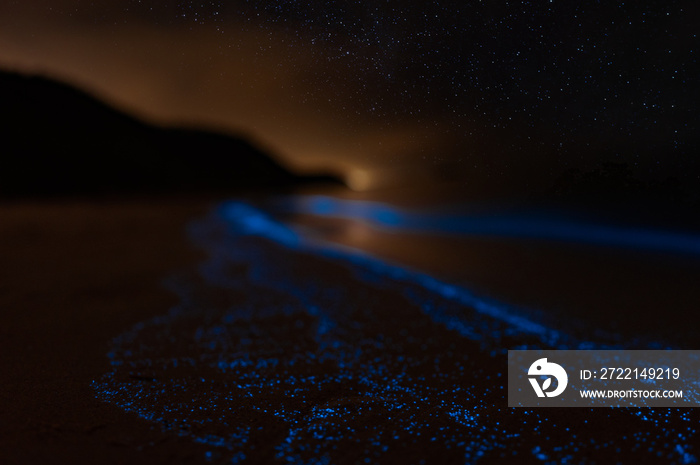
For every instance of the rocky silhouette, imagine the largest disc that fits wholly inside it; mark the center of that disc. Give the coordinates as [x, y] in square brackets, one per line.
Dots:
[58, 140]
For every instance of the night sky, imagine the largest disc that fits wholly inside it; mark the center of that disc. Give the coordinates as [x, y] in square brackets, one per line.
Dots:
[482, 89]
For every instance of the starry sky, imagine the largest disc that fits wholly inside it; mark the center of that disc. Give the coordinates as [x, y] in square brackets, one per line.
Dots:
[488, 90]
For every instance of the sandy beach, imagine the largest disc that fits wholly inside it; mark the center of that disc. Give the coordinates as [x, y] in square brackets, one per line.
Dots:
[74, 275]
[106, 360]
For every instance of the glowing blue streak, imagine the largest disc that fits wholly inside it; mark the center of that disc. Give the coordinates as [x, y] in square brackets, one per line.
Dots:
[523, 225]
[244, 218]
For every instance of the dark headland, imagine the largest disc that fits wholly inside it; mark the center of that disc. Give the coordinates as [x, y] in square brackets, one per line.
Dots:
[60, 141]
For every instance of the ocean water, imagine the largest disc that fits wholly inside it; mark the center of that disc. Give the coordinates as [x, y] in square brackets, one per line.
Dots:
[287, 348]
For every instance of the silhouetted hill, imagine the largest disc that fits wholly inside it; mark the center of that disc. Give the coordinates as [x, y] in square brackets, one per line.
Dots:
[57, 140]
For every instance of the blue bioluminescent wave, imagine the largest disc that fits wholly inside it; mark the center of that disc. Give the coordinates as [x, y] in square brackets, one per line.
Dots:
[288, 349]
[522, 224]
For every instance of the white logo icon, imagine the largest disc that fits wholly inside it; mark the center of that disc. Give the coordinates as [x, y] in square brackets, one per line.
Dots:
[542, 367]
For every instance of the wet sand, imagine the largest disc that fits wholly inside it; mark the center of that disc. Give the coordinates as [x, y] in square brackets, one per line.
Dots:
[76, 275]
[73, 276]
[648, 294]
